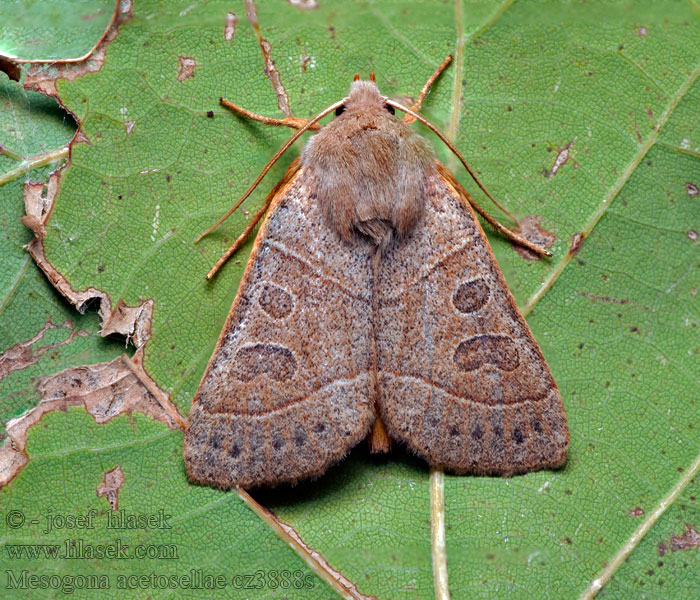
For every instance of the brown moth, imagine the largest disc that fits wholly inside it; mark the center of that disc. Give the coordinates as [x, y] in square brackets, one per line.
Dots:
[371, 304]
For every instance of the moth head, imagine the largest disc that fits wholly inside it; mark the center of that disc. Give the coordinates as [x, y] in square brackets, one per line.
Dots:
[364, 97]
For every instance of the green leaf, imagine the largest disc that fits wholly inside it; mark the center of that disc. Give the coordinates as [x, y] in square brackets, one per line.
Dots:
[613, 84]
[36, 30]
[40, 333]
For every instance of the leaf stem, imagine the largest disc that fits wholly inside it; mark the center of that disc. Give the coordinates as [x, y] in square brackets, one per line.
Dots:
[622, 554]
[10, 153]
[32, 162]
[437, 534]
[336, 581]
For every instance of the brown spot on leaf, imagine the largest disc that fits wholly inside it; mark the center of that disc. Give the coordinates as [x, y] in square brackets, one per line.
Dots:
[39, 78]
[689, 539]
[637, 133]
[597, 298]
[304, 4]
[561, 159]
[80, 138]
[635, 512]
[12, 461]
[129, 126]
[187, 66]
[692, 235]
[111, 484]
[661, 547]
[25, 354]
[92, 16]
[691, 189]
[576, 241]
[530, 229]
[37, 206]
[134, 322]
[230, 26]
[642, 31]
[105, 390]
[11, 68]
[271, 71]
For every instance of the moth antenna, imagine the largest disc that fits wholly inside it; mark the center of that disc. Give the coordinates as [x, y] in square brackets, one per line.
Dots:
[512, 236]
[473, 175]
[270, 164]
[357, 77]
[372, 77]
[238, 243]
[454, 150]
[240, 240]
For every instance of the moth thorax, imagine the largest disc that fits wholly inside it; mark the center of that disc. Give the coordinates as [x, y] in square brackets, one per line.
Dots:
[378, 205]
[369, 172]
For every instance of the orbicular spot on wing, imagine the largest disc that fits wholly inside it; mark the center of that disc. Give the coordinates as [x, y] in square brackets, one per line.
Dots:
[272, 360]
[518, 436]
[487, 349]
[471, 295]
[275, 301]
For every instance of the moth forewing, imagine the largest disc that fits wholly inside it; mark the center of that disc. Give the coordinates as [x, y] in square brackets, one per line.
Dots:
[286, 392]
[463, 383]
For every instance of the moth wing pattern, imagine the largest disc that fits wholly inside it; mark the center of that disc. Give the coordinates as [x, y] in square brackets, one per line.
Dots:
[287, 391]
[462, 382]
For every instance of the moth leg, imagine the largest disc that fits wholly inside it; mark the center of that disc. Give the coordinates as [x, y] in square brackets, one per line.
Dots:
[410, 118]
[447, 175]
[240, 240]
[424, 92]
[511, 235]
[291, 171]
[293, 122]
[238, 243]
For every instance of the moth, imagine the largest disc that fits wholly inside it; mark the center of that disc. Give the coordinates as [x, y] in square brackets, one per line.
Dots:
[371, 307]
